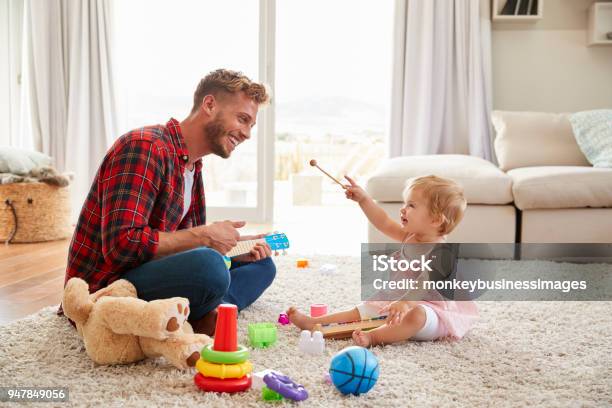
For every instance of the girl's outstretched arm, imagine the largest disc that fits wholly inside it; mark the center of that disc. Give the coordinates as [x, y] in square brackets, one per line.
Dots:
[376, 215]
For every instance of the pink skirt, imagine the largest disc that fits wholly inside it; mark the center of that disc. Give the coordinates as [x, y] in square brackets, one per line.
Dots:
[458, 316]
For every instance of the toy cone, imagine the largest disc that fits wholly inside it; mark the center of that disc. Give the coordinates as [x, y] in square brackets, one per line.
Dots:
[226, 330]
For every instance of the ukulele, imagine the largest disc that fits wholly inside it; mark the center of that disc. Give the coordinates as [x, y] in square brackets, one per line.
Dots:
[276, 241]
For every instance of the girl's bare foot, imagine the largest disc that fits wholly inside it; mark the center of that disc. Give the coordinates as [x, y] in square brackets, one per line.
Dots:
[298, 318]
[362, 338]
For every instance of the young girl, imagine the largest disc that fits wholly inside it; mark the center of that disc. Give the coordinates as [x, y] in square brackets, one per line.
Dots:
[433, 206]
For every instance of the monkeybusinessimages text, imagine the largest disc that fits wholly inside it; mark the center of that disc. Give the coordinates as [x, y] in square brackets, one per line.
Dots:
[384, 263]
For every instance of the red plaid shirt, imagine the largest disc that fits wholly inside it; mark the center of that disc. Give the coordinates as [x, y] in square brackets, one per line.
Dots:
[137, 192]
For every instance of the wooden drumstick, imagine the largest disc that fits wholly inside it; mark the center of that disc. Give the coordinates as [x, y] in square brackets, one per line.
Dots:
[313, 163]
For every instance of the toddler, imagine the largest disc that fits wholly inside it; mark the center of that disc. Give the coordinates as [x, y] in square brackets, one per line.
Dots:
[433, 206]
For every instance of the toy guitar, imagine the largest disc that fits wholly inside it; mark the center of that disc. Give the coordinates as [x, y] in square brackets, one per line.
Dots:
[276, 241]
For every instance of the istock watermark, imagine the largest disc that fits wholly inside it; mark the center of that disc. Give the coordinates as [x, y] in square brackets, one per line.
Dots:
[383, 263]
[486, 271]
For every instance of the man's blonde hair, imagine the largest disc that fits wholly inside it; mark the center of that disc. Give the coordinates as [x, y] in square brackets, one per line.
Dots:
[225, 81]
[444, 197]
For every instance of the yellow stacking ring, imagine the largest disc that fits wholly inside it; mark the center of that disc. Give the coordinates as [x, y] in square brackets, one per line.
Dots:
[223, 371]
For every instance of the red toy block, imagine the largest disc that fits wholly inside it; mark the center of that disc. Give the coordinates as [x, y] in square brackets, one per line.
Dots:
[226, 330]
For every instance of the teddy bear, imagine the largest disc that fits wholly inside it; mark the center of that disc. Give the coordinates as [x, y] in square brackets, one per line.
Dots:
[119, 328]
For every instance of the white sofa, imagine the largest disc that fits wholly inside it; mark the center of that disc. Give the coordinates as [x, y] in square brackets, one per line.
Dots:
[544, 189]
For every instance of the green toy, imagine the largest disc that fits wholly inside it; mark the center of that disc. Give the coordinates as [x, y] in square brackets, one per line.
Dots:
[262, 334]
[225, 357]
[270, 395]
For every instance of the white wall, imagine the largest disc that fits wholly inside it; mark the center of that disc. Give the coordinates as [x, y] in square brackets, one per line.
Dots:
[547, 66]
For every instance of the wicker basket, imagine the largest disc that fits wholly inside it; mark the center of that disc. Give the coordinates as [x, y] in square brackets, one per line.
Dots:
[34, 212]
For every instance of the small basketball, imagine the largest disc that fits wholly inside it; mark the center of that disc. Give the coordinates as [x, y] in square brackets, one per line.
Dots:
[354, 370]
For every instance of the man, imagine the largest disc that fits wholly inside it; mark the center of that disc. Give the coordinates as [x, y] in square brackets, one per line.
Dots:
[144, 219]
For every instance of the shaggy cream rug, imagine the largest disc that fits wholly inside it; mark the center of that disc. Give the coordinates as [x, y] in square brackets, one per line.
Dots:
[519, 354]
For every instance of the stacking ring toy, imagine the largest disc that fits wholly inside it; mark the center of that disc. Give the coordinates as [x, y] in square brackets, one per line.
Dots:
[225, 357]
[216, 385]
[285, 386]
[223, 371]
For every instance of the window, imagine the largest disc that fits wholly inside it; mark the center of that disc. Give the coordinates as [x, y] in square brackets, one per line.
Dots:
[165, 49]
[333, 93]
[331, 90]
[11, 25]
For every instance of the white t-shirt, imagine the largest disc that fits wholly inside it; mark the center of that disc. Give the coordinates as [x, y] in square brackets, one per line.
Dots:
[188, 177]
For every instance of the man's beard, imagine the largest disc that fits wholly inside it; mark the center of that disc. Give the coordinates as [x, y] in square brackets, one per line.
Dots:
[215, 133]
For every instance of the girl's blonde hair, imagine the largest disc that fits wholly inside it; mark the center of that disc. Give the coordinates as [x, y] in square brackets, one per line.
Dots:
[444, 197]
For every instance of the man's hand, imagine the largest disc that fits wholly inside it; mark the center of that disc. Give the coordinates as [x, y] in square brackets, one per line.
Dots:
[221, 236]
[259, 251]
[396, 311]
[354, 191]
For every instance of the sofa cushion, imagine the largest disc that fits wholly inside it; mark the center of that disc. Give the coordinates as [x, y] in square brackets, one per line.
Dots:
[561, 187]
[535, 139]
[593, 132]
[563, 225]
[483, 182]
[481, 223]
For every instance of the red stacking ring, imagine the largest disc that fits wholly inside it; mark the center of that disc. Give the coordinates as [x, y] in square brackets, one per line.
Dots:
[229, 385]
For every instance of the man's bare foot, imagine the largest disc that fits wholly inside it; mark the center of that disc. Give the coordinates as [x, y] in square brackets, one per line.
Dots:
[298, 318]
[362, 338]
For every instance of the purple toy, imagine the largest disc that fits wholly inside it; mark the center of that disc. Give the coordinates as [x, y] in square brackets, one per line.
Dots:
[285, 386]
[283, 319]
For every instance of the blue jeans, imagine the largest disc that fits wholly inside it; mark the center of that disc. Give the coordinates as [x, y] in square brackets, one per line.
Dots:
[201, 276]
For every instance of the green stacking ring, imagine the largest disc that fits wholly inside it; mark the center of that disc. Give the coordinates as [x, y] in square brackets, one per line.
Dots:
[225, 357]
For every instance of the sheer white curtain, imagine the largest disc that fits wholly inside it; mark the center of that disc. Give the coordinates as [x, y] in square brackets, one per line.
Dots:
[68, 105]
[441, 78]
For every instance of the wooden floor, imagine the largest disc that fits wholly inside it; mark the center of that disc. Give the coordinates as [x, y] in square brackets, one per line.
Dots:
[31, 277]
